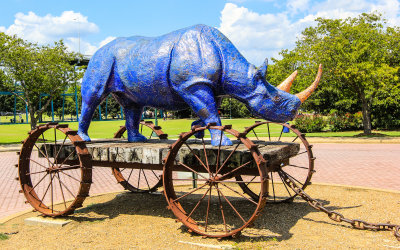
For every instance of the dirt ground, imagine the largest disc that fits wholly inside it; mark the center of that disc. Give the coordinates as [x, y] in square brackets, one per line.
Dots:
[141, 221]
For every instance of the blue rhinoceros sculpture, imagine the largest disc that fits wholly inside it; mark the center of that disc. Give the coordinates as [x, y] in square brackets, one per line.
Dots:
[190, 67]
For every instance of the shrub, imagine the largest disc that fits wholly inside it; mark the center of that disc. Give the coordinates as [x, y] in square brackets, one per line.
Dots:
[346, 122]
[310, 123]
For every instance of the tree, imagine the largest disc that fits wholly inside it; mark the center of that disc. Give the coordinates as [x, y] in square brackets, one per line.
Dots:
[234, 108]
[360, 58]
[34, 70]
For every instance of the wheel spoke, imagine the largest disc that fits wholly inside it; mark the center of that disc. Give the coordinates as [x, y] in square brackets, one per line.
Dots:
[68, 156]
[284, 184]
[38, 183]
[158, 178]
[194, 190]
[208, 208]
[227, 181]
[230, 204]
[254, 132]
[184, 165]
[295, 166]
[281, 133]
[273, 185]
[188, 179]
[302, 153]
[295, 138]
[48, 160]
[69, 167]
[219, 151]
[62, 191]
[70, 176]
[62, 145]
[37, 163]
[52, 204]
[201, 162]
[222, 209]
[239, 193]
[227, 159]
[47, 189]
[269, 134]
[205, 155]
[235, 169]
[250, 181]
[66, 187]
[198, 203]
[146, 179]
[55, 146]
[45, 146]
[293, 178]
[138, 182]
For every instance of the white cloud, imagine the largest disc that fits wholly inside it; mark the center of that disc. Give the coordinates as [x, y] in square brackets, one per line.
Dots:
[259, 35]
[85, 47]
[295, 6]
[107, 40]
[47, 29]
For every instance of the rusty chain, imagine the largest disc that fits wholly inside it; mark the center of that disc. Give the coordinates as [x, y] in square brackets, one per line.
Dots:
[338, 217]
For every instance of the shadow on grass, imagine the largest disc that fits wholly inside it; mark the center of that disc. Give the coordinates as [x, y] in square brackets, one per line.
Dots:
[274, 224]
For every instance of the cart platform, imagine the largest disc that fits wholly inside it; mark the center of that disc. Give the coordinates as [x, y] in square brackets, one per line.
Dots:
[153, 151]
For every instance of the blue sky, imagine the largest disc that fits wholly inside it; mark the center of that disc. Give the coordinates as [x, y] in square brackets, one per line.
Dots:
[259, 28]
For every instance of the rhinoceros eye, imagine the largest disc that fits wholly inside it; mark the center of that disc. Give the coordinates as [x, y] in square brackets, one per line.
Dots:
[276, 99]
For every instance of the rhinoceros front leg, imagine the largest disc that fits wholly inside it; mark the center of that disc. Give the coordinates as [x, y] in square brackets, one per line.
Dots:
[201, 99]
[132, 121]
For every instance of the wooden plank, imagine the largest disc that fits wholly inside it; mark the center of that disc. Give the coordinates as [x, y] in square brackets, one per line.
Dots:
[154, 151]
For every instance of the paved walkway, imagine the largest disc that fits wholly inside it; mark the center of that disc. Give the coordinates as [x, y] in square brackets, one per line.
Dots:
[367, 165]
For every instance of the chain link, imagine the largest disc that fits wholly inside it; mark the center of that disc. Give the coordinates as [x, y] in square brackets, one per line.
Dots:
[338, 217]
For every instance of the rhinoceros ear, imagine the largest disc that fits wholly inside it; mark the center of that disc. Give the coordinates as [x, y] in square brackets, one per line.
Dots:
[262, 70]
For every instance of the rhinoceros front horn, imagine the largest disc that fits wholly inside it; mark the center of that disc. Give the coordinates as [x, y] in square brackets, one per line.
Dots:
[285, 85]
[307, 92]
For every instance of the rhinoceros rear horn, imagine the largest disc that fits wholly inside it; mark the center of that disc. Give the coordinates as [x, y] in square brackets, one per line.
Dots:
[285, 85]
[307, 92]
[262, 70]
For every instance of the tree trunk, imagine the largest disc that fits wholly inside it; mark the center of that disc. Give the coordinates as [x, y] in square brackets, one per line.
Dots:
[33, 118]
[366, 112]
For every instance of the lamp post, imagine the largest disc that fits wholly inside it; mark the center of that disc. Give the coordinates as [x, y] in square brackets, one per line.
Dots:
[79, 35]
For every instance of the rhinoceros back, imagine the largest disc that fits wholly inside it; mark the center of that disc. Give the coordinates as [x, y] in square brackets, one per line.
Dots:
[155, 71]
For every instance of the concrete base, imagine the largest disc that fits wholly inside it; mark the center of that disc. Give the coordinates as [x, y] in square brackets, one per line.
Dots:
[39, 221]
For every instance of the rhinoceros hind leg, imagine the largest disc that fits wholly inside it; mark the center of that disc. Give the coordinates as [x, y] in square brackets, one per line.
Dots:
[132, 116]
[201, 99]
[85, 119]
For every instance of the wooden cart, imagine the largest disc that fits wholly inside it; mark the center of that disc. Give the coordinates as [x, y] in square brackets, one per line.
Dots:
[201, 183]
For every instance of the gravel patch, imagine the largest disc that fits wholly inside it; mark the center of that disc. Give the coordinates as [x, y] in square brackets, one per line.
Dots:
[125, 220]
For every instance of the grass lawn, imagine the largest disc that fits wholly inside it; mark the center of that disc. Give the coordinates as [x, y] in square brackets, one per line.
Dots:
[105, 129]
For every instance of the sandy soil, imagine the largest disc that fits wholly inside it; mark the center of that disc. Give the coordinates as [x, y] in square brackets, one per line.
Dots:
[141, 221]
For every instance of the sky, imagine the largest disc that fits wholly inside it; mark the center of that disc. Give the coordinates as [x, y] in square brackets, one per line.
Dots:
[258, 28]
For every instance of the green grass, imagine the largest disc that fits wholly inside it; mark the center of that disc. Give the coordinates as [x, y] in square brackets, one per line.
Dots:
[3, 236]
[15, 133]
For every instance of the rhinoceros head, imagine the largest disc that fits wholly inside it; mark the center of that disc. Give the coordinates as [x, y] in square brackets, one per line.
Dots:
[275, 103]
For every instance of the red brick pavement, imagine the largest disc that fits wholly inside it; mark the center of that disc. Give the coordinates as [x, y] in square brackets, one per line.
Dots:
[367, 165]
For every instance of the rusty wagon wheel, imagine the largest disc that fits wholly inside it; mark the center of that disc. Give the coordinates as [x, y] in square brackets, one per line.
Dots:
[140, 180]
[49, 184]
[300, 166]
[206, 198]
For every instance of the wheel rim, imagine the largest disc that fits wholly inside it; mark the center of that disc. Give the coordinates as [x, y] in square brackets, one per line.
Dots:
[300, 166]
[51, 186]
[216, 207]
[140, 180]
